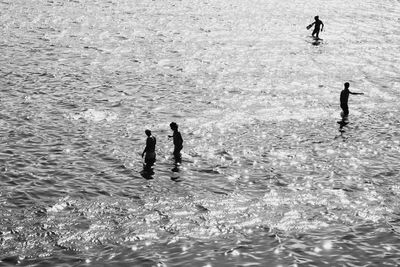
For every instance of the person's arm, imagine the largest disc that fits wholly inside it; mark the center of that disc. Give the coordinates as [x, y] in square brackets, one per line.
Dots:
[180, 139]
[322, 26]
[356, 93]
[145, 149]
[309, 26]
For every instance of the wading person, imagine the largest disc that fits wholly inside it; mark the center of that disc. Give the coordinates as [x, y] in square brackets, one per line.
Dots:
[178, 142]
[149, 152]
[344, 99]
[318, 26]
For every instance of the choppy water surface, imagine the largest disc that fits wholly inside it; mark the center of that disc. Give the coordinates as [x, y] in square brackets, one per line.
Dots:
[269, 178]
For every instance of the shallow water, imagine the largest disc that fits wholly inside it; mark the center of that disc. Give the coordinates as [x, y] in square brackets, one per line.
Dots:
[269, 177]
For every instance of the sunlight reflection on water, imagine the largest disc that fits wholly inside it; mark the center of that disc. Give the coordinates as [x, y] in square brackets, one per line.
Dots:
[268, 175]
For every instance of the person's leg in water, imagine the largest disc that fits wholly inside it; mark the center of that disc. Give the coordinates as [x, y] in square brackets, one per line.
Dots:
[345, 109]
[177, 155]
[316, 33]
[149, 160]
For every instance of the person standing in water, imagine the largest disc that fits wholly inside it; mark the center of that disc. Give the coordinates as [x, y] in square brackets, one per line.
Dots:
[344, 98]
[149, 152]
[178, 142]
[318, 26]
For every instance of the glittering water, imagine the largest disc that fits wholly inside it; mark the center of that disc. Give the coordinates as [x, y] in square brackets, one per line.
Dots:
[268, 179]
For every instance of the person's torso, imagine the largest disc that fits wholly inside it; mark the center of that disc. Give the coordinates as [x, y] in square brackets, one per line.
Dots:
[344, 97]
[151, 143]
[177, 139]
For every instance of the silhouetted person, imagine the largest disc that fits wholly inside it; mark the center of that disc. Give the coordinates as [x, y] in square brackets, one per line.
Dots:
[318, 26]
[344, 98]
[149, 152]
[178, 142]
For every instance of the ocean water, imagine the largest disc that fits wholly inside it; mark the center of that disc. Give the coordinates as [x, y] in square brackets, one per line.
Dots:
[268, 178]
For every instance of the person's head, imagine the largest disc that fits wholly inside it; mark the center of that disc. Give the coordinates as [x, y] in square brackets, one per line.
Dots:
[346, 85]
[148, 132]
[316, 18]
[173, 126]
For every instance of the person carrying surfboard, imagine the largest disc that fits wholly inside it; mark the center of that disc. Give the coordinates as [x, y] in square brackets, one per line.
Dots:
[344, 98]
[318, 26]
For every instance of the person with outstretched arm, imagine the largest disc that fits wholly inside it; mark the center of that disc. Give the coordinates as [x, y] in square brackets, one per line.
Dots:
[344, 99]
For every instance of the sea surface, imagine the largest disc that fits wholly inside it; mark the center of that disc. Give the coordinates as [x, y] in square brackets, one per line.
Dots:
[268, 178]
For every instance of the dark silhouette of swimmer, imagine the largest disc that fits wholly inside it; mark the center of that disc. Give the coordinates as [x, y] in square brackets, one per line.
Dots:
[149, 152]
[178, 142]
[344, 98]
[318, 26]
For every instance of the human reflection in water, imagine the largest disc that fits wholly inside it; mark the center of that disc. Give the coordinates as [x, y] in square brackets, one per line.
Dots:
[149, 154]
[342, 123]
[316, 42]
[175, 173]
[147, 173]
[178, 142]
